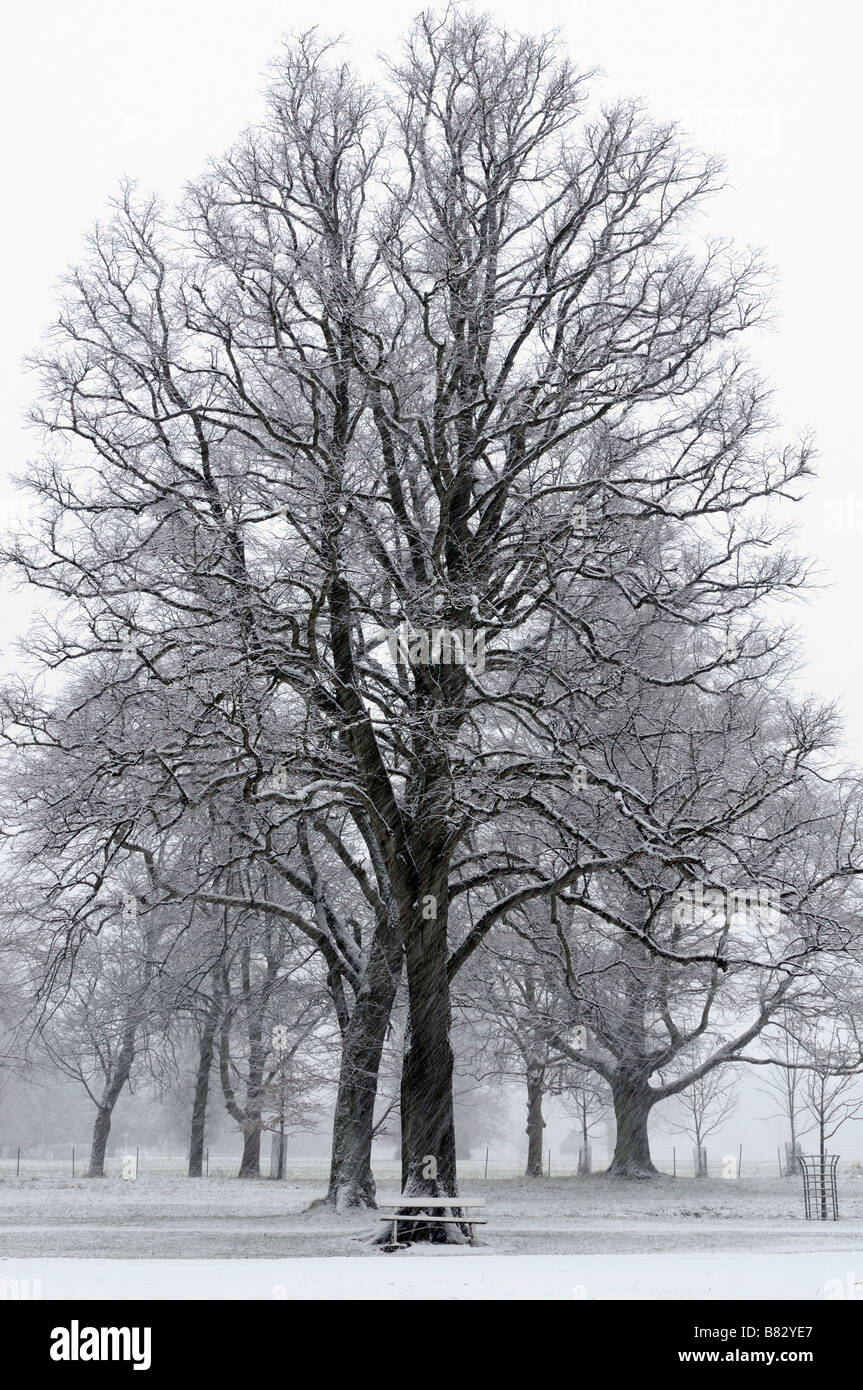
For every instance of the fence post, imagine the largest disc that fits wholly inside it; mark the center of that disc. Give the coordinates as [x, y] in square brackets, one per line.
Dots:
[779, 1156]
[549, 1163]
[485, 1174]
[739, 1159]
[137, 1151]
[674, 1161]
[18, 1162]
[73, 1160]
[207, 1173]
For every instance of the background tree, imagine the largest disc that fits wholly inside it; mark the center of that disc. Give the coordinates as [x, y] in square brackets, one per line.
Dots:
[831, 1093]
[514, 1007]
[101, 1017]
[265, 984]
[584, 1095]
[704, 1107]
[785, 1086]
[656, 953]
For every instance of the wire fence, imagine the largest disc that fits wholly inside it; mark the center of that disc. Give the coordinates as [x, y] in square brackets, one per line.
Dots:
[73, 1161]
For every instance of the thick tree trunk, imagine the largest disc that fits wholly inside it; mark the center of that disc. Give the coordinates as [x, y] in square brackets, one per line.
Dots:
[428, 1122]
[633, 1101]
[250, 1163]
[535, 1122]
[351, 1181]
[202, 1090]
[427, 1071]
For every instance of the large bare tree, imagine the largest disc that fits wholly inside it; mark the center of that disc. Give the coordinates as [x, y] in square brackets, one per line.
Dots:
[375, 479]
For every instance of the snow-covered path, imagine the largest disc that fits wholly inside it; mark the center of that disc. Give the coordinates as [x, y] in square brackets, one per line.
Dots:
[459, 1274]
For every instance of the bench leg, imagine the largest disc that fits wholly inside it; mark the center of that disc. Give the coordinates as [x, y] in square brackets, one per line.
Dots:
[395, 1231]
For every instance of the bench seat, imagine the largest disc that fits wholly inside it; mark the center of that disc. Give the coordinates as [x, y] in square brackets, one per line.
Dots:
[430, 1210]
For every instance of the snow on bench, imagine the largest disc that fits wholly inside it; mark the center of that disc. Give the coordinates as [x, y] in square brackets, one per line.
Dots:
[430, 1209]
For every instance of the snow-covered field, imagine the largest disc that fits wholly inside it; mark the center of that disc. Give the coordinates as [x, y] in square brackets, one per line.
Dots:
[560, 1238]
[451, 1274]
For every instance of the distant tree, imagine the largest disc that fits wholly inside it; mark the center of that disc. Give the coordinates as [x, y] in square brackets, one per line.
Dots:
[513, 1006]
[759, 908]
[265, 984]
[14, 978]
[104, 1010]
[785, 1086]
[831, 1090]
[481, 1115]
[584, 1094]
[704, 1107]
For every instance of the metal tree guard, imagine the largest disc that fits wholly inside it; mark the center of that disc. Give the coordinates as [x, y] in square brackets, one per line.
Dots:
[820, 1194]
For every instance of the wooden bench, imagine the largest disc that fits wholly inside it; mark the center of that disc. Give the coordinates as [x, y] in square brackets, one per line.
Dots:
[431, 1210]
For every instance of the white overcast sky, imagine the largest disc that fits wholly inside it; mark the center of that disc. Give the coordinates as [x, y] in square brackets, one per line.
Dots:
[94, 90]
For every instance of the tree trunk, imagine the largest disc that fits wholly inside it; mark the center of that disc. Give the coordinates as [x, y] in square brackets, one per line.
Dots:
[535, 1122]
[250, 1163]
[248, 1118]
[427, 1072]
[202, 1089]
[351, 1181]
[584, 1159]
[101, 1130]
[428, 1122]
[110, 1096]
[633, 1101]
[792, 1163]
[700, 1156]
[280, 1145]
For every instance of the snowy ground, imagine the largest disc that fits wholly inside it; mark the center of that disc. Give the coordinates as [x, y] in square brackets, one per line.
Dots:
[461, 1275]
[560, 1238]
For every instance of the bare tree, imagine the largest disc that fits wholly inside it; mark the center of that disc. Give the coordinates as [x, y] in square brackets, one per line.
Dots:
[786, 1087]
[100, 1018]
[587, 1097]
[831, 1093]
[271, 1008]
[515, 1006]
[410, 455]
[704, 1107]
